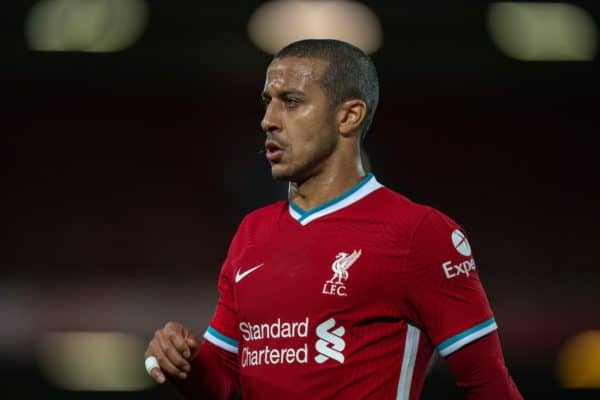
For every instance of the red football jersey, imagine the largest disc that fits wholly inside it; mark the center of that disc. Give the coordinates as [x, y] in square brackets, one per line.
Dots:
[348, 300]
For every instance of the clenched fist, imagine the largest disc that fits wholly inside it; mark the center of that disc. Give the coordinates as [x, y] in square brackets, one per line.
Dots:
[173, 346]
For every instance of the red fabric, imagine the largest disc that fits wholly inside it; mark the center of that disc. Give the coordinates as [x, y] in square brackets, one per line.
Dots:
[479, 369]
[446, 301]
[302, 329]
[214, 375]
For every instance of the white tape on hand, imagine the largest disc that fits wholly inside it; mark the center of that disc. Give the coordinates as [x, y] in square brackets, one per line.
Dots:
[151, 362]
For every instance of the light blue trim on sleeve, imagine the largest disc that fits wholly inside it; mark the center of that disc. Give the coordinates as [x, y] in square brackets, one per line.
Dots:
[220, 340]
[456, 342]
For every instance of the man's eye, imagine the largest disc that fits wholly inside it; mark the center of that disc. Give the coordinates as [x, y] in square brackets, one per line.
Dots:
[291, 101]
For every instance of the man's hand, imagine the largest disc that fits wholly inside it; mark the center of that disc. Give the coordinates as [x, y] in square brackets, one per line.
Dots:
[173, 346]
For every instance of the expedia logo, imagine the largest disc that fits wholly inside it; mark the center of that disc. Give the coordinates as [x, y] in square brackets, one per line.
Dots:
[461, 244]
[463, 268]
[330, 344]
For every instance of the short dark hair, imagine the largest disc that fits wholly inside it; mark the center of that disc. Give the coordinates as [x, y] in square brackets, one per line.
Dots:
[351, 72]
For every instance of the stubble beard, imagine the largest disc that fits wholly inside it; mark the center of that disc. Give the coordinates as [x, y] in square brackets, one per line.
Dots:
[299, 173]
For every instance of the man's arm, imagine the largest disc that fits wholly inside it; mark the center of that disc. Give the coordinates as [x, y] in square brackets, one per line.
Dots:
[203, 371]
[480, 370]
[451, 305]
[207, 369]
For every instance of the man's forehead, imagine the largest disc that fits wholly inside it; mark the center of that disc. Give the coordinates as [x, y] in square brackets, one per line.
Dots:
[295, 71]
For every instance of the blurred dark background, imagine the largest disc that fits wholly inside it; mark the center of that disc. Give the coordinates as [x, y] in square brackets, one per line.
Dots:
[125, 174]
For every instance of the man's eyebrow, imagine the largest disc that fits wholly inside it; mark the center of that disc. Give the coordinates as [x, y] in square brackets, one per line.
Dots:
[285, 93]
[282, 93]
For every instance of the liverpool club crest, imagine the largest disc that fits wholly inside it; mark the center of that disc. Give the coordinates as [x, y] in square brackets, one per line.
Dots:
[343, 261]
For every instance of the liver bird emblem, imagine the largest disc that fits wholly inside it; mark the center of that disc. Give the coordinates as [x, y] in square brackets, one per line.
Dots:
[341, 265]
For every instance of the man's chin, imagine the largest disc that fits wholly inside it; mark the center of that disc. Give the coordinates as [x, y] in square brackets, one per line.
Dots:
[280, 174]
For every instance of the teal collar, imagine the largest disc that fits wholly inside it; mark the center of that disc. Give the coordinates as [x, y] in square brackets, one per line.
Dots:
[366, 186]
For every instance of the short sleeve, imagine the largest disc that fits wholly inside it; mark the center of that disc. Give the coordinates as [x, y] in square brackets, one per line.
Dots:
[223, 329]
[446, 293]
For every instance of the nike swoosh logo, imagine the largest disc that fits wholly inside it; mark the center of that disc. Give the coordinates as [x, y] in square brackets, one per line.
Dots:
[239, 277]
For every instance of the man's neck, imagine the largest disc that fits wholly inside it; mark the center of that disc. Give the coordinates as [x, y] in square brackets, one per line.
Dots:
[324, 186]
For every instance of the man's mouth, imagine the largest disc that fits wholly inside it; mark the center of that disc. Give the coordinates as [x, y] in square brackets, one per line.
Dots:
[273, 151]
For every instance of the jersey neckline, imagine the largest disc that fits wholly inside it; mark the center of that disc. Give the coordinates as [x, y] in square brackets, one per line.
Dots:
[366, 186]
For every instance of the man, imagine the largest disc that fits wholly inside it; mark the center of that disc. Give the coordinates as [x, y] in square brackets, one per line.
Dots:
[346, 290]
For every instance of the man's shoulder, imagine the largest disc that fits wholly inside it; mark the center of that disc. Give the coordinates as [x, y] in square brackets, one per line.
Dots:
[259, 222]
[267, 210]
[265, 214]
[409, 214]
[400, 206]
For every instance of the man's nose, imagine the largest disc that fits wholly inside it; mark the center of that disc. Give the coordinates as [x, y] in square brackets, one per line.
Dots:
[270, 121]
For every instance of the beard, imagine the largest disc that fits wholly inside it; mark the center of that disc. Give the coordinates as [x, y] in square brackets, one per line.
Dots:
[301, 167]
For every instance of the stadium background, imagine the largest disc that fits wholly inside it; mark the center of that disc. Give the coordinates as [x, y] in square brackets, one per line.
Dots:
[124, 176]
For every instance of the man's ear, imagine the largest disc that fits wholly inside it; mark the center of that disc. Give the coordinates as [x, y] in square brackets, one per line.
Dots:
[350, 116]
